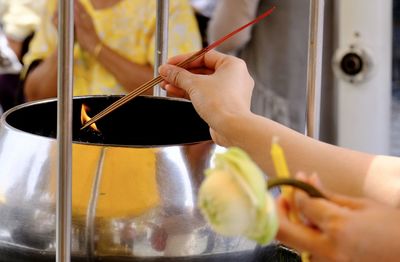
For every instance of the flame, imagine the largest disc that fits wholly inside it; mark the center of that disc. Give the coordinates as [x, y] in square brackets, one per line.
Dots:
[85, 117]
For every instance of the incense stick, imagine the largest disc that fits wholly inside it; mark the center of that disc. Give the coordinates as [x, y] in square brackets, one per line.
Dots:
[141, 89]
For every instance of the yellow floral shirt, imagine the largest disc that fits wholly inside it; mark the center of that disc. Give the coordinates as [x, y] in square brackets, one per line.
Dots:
[129, 29]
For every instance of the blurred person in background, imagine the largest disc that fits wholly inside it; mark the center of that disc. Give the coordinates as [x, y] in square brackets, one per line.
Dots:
[203, 10]
[114, 46]
[275, 51]
[19, 20]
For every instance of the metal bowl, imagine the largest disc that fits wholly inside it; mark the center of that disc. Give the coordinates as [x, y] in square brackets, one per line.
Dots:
[134, 184]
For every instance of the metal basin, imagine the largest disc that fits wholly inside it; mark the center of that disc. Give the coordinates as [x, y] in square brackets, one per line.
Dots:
[134, 184]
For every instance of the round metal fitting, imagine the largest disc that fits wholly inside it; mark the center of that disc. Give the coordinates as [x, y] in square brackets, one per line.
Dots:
[352, 64]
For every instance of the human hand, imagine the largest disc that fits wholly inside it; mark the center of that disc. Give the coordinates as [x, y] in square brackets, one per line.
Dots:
[218, 85]
[85, 30]
[341, 228]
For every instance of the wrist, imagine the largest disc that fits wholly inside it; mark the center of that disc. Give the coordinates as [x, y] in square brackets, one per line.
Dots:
[233, 127]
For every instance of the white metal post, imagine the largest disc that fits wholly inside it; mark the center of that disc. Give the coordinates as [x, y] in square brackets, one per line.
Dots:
[161, 47]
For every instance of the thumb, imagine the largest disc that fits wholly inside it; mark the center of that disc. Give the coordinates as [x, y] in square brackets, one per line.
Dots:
[177, 77]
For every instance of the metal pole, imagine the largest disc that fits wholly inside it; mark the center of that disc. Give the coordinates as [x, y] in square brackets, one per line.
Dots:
[161, 47]
[314, 69]
[64, 128]
[91, 212]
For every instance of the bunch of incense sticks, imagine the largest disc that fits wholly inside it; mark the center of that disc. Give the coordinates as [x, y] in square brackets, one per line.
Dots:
[141, 89]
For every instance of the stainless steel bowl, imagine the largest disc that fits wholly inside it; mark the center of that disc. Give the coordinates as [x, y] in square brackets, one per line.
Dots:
[134, 184]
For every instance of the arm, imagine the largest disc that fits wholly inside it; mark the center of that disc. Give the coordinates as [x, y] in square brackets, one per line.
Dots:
[128, 74]
[340, 169]
[227, 16]
[41, 82]
[226, 110]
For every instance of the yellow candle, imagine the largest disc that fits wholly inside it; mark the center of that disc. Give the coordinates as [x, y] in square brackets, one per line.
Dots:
[282, 170]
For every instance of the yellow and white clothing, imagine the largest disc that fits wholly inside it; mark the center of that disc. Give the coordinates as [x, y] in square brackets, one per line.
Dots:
[128, 28]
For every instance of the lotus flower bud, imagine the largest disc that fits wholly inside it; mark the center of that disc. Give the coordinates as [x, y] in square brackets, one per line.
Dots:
[234, 200]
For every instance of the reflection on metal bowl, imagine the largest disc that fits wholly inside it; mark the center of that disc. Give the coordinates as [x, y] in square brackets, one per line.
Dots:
[134, 185]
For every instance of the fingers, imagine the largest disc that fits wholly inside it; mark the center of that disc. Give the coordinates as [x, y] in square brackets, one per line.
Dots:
[345, 201]
[209, 60]
[318, 211]
[175, 92]
[177, 77]
[182, 78]
[349, 202]
[311, 210]
[294, 234]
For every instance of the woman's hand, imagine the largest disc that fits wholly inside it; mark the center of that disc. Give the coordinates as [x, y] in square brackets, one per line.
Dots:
[218, 85]
[85, 31]
[341, 228]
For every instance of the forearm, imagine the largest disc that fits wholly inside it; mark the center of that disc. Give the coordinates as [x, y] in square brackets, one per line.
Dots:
[383, 180]
[41, 82]
[339, 169]
[127, 73]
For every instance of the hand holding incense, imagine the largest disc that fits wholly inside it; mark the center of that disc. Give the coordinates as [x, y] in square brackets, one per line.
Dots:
[141, 89]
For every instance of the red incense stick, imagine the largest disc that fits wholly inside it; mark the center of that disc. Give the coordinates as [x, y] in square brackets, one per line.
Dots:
[183, 64]
[258, 19]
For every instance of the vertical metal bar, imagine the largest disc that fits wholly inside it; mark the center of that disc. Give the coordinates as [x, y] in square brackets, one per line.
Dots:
[91, 212]
[161, 47]
[64, 128]
[314, 69]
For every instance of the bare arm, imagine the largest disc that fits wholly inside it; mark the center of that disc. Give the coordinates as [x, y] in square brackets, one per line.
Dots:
[127, 73]
[339, 169]
[41, 82]
[222, 99]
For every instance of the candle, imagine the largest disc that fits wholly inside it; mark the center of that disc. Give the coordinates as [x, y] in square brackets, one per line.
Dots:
[282, 171]
[281, 168]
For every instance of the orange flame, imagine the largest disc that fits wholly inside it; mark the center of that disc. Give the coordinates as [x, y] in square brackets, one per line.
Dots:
[85, 117]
